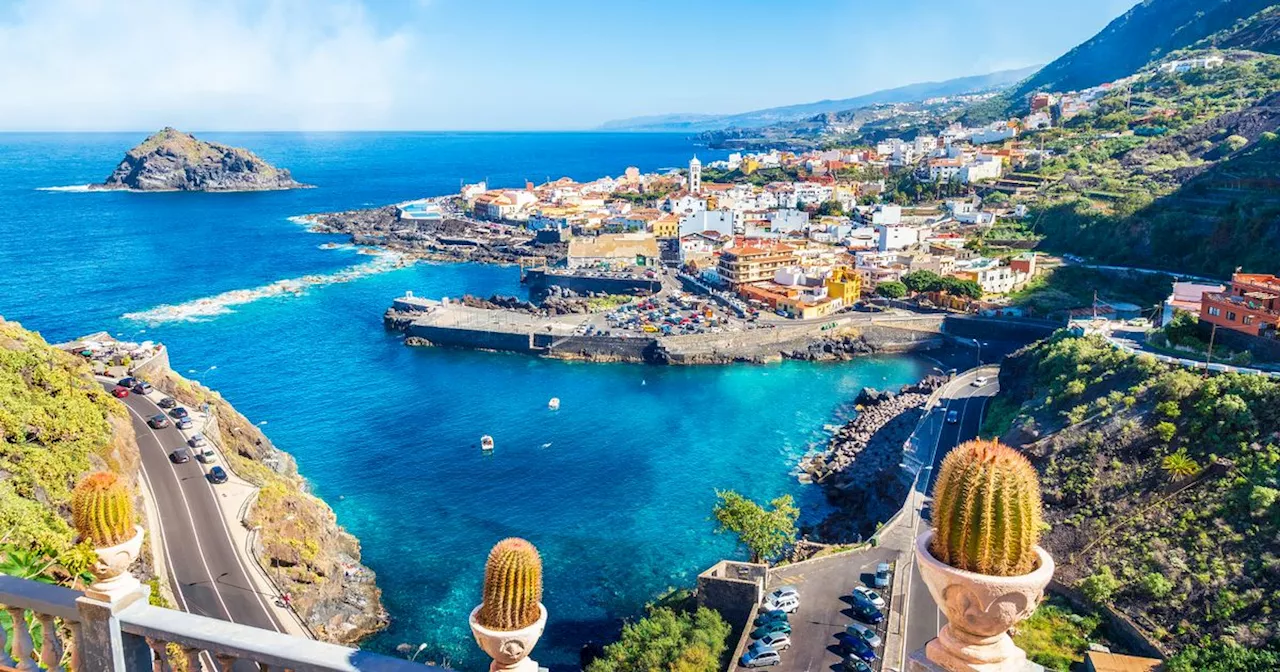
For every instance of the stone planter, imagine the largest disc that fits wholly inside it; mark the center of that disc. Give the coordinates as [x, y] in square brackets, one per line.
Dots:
[980, 610]
[509, 649]
[114, 581]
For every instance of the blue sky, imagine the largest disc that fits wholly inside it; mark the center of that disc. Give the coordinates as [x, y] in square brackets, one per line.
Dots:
[490, 64]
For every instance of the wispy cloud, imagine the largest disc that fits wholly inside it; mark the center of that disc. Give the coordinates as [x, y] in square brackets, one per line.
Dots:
[293, 64]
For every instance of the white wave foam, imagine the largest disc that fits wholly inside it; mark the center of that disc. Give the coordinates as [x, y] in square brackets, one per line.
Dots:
[200, 310]
[78, 188]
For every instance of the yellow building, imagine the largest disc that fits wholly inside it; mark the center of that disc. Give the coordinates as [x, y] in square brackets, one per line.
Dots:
[845, 285]
[749, 166]
[666, 226]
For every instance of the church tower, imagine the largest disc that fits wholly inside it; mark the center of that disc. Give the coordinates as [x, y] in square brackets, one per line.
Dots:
[695, 175]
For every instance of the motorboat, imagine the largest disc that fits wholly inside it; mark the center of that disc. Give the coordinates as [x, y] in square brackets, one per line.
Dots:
[554, 404]
[486, 443]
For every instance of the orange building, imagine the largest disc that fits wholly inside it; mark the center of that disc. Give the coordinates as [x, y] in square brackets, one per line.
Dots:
[1251, 305]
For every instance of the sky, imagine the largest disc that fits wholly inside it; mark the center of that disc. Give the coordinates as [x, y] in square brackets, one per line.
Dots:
[492, 64]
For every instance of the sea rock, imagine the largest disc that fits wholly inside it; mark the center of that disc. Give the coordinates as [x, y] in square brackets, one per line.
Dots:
[171, 160]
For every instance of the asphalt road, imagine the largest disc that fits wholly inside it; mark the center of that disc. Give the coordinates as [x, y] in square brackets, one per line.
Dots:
[924, 620]
[208, 576]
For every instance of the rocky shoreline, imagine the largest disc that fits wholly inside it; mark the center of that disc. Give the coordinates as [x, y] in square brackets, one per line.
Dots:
[859, 470]
[452, 238]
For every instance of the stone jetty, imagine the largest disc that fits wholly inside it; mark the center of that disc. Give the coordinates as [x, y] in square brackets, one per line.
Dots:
[859, 469]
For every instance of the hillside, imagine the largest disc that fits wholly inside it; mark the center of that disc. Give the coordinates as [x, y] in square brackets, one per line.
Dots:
[1161, 487]
[56, 425]
[757, 118]
[1149, 31]
[171, 160]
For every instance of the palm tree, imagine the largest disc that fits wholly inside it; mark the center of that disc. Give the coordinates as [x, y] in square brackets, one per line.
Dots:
[1179, 465]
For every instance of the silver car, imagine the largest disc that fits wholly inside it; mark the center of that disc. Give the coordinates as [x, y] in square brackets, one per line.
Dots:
[864, 632]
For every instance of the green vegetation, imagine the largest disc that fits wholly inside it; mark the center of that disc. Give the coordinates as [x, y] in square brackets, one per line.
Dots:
[56, 424]
[1056, 636]
[512, 586]
[987, 510]
[891, 289]
[1222, 656]
[600, 304]
[1121, 532]
[1050, 294]
[667, 641]
[102, 510]
[765, 532]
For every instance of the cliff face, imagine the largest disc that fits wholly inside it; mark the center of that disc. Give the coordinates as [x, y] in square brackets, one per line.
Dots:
[171, 160]
[300, 541]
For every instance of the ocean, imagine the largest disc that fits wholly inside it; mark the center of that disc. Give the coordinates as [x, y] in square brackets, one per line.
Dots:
[615, 488]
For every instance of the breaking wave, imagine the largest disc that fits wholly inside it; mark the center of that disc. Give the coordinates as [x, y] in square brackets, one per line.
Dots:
[79, 188]
[200, 310]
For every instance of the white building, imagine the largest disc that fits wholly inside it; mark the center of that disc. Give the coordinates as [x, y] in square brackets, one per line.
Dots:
[896, 237]
[684, 204]
[720, 221]
[997, 132]
[695, 175]
[788, 221]
[887, 215]
[983, 167]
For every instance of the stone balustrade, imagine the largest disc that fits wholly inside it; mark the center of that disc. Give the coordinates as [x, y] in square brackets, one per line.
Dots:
[80, 634]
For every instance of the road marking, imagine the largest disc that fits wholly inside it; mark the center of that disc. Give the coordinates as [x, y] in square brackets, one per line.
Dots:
[187, 506]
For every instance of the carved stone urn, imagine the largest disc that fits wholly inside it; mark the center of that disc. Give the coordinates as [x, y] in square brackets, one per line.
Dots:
[509, 649]
[980, 610]
[114, 582]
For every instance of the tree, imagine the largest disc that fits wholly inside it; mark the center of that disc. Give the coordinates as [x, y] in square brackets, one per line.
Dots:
[667, 640]
[962, 288]
[891, 289]
[830, 208]
[922, 281]
[1179, 465]
[765, 532]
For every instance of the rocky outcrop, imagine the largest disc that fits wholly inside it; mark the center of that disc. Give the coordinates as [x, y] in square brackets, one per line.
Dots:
[171, 160]
[859, 469]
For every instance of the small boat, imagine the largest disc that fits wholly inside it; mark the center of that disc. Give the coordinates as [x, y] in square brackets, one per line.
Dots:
[554, 404]
[486, 443]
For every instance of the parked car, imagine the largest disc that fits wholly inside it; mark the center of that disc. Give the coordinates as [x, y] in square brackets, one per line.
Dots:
[126, 382]
[867, 613]
[866, 632]
[185, 423]
[197, 441]
[883, 573]
[760, 658]
[206, 455]
[217, 475]
[178, 413]
[120, 392]
[770, 628]
[864, 594]
[771, 616]
[158, 421]
[854, 664]
[788, 603]
[141, 387]
[180, 456]
[857, 646]
[779, 641]
[979, 381]
[952, 417]
[166, 403]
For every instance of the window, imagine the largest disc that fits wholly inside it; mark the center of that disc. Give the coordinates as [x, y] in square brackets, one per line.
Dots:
[1231, 316]
[1248, 319]
[1214, 311]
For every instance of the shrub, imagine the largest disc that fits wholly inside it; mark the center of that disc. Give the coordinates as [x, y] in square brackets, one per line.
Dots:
[666, 640]
[1166, 430]
[1100, 586]
[1261, 500]
[1156, 585]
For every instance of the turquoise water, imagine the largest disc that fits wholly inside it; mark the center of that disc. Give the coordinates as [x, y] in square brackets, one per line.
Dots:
[615, 488]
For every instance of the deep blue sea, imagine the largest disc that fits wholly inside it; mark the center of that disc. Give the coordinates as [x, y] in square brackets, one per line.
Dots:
[615, 488]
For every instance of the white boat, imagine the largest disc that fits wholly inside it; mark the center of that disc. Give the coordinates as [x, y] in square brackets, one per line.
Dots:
[486, 443]
[554, 404]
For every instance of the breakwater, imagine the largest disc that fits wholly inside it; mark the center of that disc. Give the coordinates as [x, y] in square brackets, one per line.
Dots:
[433, 323]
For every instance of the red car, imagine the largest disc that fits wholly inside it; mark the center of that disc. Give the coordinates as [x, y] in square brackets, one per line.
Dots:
[120, 392]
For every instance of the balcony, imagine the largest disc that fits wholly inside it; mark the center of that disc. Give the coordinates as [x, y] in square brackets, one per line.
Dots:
[79, 633]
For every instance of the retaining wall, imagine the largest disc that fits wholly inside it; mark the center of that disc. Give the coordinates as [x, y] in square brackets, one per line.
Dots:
[539, 280]
[473, 338]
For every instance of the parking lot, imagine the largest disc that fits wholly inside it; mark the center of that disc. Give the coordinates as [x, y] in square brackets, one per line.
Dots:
[825, 588]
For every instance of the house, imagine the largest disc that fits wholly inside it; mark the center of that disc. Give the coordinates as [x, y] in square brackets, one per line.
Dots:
[684, 203]
[896, 237]
[1250, 306]
[887, 215]
[666, 226]
[788, 221]
[616, 250]
[720, 221]
[493, 205]
[982, 167]
[742, 265]
[700, 244]
[996, 132]
[844, 284]
[991, 276]
[1024, 263]
[1103, 661]
[944, 170]
[1186, 296]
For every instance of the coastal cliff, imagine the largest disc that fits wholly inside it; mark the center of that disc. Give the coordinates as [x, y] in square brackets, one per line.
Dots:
[171, 160]
[300, 541]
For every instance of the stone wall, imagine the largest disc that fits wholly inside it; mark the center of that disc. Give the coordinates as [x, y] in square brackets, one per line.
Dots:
[733, 589]
[1263, 349]
[998, 329]
[539, 280]
[478, 339]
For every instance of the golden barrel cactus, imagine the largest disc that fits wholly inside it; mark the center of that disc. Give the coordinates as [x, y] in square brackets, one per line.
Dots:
[102, 510]
[512, 586]
[986, 510]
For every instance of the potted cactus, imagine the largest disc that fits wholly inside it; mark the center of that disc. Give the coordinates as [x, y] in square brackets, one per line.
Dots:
[510, 617]
[981, 560]
[102, 514]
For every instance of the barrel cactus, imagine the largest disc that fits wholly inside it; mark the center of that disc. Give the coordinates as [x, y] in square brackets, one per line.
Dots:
[512, 586]
[986, 510]
[102, 510]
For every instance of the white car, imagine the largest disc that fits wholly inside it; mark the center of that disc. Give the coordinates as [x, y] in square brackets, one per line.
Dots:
[786, 602]
[774, 640]
[864, 632]
[870, 596]
[979, 381]
[206, 455]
